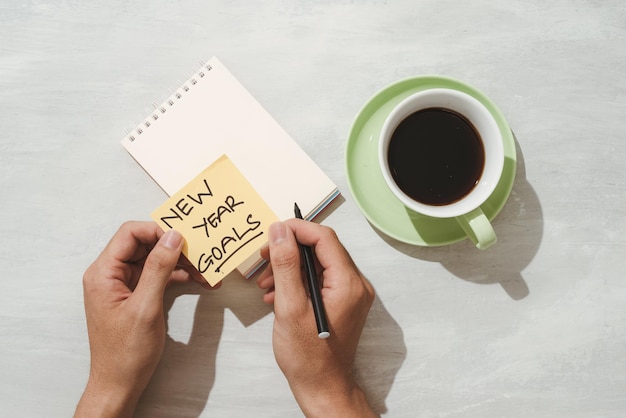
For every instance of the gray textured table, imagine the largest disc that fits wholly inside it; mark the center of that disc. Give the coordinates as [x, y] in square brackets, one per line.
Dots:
[534, 326]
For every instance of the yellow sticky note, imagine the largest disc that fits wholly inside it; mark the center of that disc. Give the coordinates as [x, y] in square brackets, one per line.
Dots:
[222, 217]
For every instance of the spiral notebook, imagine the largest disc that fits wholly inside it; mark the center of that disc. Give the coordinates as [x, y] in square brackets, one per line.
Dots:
[212, 114]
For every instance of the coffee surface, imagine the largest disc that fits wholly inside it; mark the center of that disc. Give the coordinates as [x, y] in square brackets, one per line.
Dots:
[436, 156]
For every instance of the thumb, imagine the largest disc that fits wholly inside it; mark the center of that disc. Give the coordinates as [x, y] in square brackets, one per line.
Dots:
[285, 260]
[158, 268]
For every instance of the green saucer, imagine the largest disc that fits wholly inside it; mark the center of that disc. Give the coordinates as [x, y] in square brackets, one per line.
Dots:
[382, 209]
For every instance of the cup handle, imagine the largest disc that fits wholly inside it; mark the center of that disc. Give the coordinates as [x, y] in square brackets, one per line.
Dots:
[478, 228]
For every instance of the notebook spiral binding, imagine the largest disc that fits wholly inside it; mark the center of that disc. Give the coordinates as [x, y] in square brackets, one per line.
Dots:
[171, 101]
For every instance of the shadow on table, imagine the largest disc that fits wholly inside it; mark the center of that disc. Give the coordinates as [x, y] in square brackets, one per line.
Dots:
[380, 355]
[184, 378]
[185, 375]
[519, 227]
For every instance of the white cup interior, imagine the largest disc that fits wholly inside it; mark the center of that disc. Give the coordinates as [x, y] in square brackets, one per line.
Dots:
[481, 119]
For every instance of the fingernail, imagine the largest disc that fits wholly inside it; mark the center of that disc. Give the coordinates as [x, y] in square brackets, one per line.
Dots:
[278, 232]
[171, 239]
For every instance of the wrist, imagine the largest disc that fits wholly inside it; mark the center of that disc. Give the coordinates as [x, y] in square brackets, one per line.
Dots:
[104, 402]
[345, 400]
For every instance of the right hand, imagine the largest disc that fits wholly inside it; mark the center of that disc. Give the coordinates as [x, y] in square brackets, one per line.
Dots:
[319, 371]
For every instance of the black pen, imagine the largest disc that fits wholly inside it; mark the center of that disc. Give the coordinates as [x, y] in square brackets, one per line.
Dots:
[314, 287]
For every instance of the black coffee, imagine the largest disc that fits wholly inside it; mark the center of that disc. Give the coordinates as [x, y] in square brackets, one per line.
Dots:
[436, 156]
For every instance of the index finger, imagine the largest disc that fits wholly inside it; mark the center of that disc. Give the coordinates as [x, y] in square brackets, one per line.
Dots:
[328, 249]
[132, 241]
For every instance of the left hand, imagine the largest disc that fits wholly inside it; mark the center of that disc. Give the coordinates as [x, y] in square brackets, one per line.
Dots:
[123, 291]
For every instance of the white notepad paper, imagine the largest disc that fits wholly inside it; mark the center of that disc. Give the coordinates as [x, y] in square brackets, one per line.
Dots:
[213, 114]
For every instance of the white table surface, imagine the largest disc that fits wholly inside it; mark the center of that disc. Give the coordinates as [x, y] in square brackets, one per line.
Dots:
[534, 326]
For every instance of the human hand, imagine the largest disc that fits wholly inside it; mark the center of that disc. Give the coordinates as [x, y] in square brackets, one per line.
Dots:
[319, 371]
[123, 292]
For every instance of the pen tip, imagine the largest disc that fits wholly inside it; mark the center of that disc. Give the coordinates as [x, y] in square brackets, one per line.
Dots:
[296, 211]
